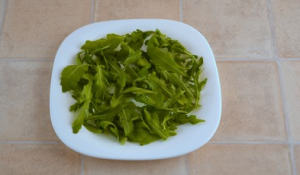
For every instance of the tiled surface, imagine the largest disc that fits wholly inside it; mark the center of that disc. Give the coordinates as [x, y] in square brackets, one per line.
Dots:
[38, 159]
[234, 28]
[241, 159]
[291, 74]
[35, 28]
[286, 23]
[24, 101]
[251, 98]
[174, 166]
[258, 57]
[130, 9]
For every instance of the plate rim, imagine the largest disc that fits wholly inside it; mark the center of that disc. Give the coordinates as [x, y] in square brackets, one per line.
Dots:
[128, 158]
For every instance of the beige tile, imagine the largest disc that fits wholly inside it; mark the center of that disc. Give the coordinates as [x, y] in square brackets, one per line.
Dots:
[241, 159]
[297, 157]
[35, 28]
[291, 82]
[234, 28]
[174, 166]
[286, 23]
[252, 105]
[133, 9]
[38, 159]
[24, 101]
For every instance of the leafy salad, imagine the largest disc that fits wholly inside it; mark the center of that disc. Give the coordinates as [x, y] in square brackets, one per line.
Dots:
[139, 87]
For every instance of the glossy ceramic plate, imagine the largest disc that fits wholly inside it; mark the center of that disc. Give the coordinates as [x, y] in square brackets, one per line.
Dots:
[189, 137]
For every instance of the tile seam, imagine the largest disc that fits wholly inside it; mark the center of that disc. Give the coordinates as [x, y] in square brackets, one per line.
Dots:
[82, 165]
[25, 59]
[31, 142]
[273, 34]
[245, 59]
[287, 121]
[256, 59]
[249, 142]
[282, 88]
[3, 14]
[290, 59]
[92, 11]
[181, 10]
[292, 154]
[187, 163]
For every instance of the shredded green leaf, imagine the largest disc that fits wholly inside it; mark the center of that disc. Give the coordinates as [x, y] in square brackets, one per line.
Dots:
[139, 87]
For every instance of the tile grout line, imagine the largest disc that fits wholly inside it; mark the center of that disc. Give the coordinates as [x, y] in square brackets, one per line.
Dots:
[181, 10]
[92, 11]
[290, 59]
[25, 59]
[31, 142]
[187, 164]
[281, 84]
[287, 122]
[245, 59]
[273, 35]
[82, 165]
[3, 12]
[250, 142]
[256, 59]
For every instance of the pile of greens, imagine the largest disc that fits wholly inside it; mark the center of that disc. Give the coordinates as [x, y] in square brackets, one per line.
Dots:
[138, 87]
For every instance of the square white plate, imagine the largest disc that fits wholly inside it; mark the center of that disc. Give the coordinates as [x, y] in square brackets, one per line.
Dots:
[189, 137]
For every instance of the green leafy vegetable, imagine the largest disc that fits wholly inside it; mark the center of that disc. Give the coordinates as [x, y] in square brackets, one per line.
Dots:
[71, 75]
[139, 87]
[137, 90]
[125, 117]
[154, 124]
[84, 112]
[164, 61]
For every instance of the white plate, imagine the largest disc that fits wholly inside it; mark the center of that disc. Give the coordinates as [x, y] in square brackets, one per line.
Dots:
[189, 137]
